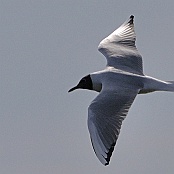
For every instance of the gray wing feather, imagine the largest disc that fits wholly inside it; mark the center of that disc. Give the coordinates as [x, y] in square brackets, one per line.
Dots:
[105, 116]
[120, 50]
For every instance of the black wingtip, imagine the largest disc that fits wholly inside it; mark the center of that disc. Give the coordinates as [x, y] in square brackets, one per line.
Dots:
[132, 16]
[106, 164]
[131, 21]
[109, 154]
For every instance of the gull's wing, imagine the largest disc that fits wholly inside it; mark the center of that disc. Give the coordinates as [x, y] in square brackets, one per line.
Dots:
[105, 116]
[120, 50]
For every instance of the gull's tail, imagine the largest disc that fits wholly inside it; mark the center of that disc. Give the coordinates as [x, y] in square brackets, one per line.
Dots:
[170, 86]
[164, 86]
[151, 84]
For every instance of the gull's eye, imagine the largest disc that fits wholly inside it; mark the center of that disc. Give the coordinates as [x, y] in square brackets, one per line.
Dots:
[84, 80]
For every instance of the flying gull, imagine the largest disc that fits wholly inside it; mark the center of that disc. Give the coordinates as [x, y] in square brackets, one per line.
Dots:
[118, 85]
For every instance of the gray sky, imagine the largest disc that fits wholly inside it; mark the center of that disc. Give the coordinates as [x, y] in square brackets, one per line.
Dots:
[46, 47]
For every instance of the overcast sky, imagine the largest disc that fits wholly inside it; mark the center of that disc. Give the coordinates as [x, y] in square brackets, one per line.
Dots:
[46, 47]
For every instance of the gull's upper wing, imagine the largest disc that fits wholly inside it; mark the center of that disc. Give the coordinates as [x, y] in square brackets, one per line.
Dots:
[120, 50]
[105, 116]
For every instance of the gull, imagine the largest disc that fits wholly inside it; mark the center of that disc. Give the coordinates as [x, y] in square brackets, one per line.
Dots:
[118, 85]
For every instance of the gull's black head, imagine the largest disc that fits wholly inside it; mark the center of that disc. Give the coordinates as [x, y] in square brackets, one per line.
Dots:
[85, 83]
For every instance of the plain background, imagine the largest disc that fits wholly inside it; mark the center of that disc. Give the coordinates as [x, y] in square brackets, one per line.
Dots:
[46, 48]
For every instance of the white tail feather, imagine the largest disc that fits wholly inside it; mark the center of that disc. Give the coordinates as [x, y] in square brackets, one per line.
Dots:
[151, 84]
[171, 85]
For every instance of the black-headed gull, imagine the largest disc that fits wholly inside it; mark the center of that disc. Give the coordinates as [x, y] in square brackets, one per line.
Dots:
[118, 84]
